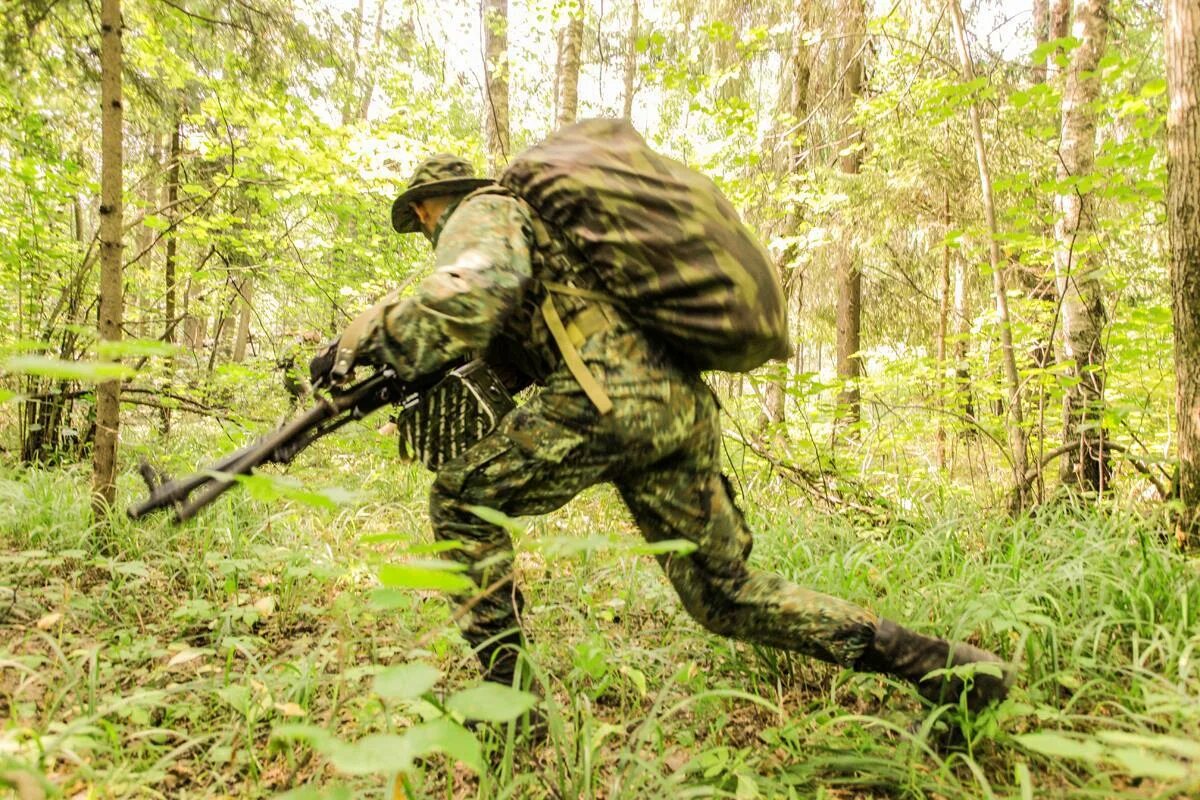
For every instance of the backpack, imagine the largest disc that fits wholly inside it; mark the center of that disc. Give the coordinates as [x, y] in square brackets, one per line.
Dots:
[665, 243]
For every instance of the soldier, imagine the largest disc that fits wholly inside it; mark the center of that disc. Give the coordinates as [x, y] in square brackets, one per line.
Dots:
[633, 416]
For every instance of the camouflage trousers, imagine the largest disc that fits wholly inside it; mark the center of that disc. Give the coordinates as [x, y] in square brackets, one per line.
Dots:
[660, 446]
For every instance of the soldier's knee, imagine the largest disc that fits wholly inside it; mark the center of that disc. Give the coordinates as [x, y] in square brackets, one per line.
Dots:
[706, 603]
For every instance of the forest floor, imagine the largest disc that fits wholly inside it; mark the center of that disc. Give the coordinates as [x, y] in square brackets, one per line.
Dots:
[157, 660]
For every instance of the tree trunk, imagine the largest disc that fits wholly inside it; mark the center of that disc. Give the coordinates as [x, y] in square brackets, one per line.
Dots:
[1041, 31]
[173, 236]
[961, 329]
[849, 277]
[351, 101]
[569, 77]
[108, 394]
[169, 259]
[1080, 293]
[495, 100]
[942, 327]
[1060, 26]
[1015, 423]
[791, 111]
[631, 64]
[195, 326]
[568, 80]
[245, 292]
[1183, 221]
[368, 92]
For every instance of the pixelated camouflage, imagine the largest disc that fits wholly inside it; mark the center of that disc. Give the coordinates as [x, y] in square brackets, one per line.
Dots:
[663, 240]
[660, 445]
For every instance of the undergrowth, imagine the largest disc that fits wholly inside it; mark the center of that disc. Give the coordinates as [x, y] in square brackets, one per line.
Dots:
[153, 660]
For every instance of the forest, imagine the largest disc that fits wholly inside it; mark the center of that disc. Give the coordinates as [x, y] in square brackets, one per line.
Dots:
[983, 221]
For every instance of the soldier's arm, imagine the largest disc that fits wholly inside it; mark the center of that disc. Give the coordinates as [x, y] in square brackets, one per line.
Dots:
[482, 268]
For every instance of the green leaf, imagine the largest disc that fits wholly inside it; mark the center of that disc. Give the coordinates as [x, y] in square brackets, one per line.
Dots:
[1141, 764]
[1171, 744]
[433, 577]
[132, 348]
[1062, 745]
[83, 371]
[446, 736]
[375, 754]
[497, 518]
[238, 697]
[491, 702]
[677, 546]
[406, 681]
[314, 792]
[271, 487]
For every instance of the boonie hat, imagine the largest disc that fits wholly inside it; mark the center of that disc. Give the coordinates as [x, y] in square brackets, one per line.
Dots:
[441, 174]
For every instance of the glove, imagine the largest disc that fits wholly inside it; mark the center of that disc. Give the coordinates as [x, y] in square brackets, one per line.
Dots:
[322, 364]
[357, 346]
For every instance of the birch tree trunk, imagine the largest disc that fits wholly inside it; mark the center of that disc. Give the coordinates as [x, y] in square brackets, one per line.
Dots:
[568, 78]
[495, 66]
[1080, 293]
[1183, 220]
[1015, 423]
[849, 277]
[108, 394]
[631, 63]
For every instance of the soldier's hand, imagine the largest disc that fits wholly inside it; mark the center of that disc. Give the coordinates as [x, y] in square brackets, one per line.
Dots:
[359, 344]
[321, 366]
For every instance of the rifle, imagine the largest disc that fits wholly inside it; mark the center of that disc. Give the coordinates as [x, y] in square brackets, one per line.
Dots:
[280, 446]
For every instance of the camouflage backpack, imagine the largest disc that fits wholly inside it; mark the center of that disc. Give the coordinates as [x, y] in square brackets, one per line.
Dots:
[665, 243]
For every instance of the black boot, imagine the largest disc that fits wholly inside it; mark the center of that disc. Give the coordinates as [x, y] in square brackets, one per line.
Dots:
[900, 652]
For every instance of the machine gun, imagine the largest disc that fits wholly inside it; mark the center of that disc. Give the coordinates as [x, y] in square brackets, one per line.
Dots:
[441, 415]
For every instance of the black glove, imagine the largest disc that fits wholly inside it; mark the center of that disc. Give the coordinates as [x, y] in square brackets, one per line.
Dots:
[322, 364]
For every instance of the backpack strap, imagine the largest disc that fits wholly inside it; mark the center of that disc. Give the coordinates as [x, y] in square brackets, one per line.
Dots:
[570, 353]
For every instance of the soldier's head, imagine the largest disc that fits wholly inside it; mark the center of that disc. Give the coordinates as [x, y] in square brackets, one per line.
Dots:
[436, 183]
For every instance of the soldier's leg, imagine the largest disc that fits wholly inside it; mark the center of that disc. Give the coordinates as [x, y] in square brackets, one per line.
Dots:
[529, 465]
[683, 499]
[686, 497]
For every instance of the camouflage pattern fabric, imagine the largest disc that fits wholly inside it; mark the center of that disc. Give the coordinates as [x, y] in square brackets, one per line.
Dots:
[663, 240]
[659, 446]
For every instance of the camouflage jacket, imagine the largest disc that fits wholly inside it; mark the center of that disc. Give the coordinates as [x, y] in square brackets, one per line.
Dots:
[483, 296]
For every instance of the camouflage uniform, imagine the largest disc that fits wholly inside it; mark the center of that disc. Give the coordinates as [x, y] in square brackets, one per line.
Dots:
[660, 444]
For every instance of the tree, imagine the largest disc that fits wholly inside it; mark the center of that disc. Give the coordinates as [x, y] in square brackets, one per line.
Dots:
[108, 394]
[849, 275]
[630, 63]
[791, 111]
[495, 66]
[1016, 423]
[1076, 275]
[1183, 222]
[568, 73]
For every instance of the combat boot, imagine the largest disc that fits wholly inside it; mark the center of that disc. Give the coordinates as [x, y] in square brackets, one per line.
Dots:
[905, 654]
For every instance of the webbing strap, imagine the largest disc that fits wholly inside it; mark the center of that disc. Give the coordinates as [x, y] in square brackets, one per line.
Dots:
[575, 291]
[591, 387]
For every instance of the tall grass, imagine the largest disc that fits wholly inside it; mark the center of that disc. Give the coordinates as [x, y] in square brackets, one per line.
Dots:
[159, 664]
